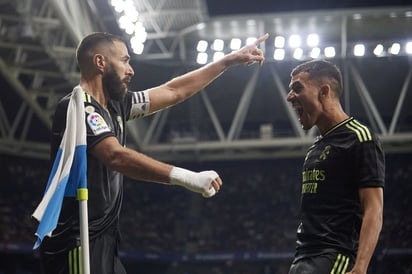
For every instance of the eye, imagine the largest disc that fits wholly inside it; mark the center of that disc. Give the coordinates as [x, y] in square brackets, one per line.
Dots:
[296, 87]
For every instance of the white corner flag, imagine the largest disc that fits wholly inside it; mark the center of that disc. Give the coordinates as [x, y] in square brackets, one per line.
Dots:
[67, 176]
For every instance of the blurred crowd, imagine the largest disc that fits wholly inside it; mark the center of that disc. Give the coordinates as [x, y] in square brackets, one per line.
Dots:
[255, 211]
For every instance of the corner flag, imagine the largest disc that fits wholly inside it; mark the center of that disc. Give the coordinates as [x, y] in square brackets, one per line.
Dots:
[68, 173]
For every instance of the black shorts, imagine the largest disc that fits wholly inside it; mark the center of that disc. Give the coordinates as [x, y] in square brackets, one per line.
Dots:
[328, 263]
[104, 257]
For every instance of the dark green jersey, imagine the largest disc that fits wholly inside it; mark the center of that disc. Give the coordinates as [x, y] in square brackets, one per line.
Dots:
[348, 157]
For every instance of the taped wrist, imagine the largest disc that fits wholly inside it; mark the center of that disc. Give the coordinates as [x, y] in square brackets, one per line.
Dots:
[181, 176]
[199, 182]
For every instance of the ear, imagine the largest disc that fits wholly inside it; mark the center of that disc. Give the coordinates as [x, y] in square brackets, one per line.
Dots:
[325, 91]
[99, 61]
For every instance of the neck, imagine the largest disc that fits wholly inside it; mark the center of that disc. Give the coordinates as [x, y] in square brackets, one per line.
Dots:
[331, 118]
[94, 87]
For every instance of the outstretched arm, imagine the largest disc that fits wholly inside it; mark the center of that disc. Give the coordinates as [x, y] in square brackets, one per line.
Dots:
[141, 167]
[183, 87]
[372, 203]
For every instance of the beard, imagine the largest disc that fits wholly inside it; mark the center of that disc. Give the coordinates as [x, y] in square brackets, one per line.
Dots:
[113, 85]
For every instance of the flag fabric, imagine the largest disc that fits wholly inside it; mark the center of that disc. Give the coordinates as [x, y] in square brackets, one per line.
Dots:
[68, 173]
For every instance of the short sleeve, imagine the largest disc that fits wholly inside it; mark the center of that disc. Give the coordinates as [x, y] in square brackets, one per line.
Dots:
[138, 104]
[370, 163]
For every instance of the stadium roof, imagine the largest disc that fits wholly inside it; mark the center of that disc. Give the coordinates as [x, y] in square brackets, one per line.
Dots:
[243, 114]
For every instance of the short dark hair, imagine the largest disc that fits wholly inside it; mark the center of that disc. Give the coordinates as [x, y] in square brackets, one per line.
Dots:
[322, 70]
[91, 42]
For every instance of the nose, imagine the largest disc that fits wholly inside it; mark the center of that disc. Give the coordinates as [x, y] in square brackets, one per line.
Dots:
[291, 95]
[130, 71]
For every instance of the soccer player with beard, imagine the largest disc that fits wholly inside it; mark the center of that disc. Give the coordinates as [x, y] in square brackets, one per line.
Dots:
[105, 74]
[342, 178]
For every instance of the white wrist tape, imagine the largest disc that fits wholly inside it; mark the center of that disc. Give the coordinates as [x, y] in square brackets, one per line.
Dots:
[199, 182]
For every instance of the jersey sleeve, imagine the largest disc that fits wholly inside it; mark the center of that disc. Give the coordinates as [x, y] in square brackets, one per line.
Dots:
[370, 163]
[97, 124]
[137, 104]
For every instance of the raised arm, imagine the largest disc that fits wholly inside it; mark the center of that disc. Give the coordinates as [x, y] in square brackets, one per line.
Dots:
[183, 87]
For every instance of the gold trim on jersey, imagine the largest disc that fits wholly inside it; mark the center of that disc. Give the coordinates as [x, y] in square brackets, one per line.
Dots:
[87, 97]
[75, 261]
[361, 131]
[341, 264]
[336, 126]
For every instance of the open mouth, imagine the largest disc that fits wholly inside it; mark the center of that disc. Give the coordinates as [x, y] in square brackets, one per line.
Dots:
[299, 111]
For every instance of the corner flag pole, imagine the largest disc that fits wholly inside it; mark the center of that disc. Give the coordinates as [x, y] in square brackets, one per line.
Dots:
[82, 196]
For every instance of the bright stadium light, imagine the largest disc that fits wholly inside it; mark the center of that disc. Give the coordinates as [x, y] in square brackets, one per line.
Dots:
[312, 40]
[128, 20]
[294, 41]
[218, 55]
[235, 44]
[408, 47]
[201, 58]
[395, 49]
[202, 46]
[359, 50]
[250, 40]
[130, 10]
[218, 45]
[279, 54]
[118, 5]
[125, 22]
[378, 50]
[140, 31]
[298, 53]
[279, 42]
[136, 46]
[315, 53]
[330, 52]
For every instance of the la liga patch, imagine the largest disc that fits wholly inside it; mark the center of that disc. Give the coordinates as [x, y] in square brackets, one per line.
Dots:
[97, 123]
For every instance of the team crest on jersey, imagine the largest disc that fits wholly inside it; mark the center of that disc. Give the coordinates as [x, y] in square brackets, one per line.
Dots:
[97, 123]
[89, 109]
[325, 153]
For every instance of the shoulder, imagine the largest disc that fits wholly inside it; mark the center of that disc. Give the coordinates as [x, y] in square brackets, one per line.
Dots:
[360, 132]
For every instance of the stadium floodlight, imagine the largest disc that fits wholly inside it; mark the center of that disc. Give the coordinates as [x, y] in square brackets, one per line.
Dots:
[312, 40]
[218, 55]
[125, 22]
[395, 49]
[298, 53]
[140, 31]
[118, 5]
[130, 10]
[357, 16]
[137, 47]
[127, 18]
[378, 50]
[330, 52]
[202, 58]
[279, 54]
[235, 44]
[279, 42]
[294, 41]
[218, 45]
[315, 53]
[408, 47]
[359, 50]
[250, 40]
[202, 45]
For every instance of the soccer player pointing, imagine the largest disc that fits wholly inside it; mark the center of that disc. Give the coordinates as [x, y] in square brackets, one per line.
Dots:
[105, 74]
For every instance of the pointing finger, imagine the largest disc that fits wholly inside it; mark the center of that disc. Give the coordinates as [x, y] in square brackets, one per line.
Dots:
[261, 39]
